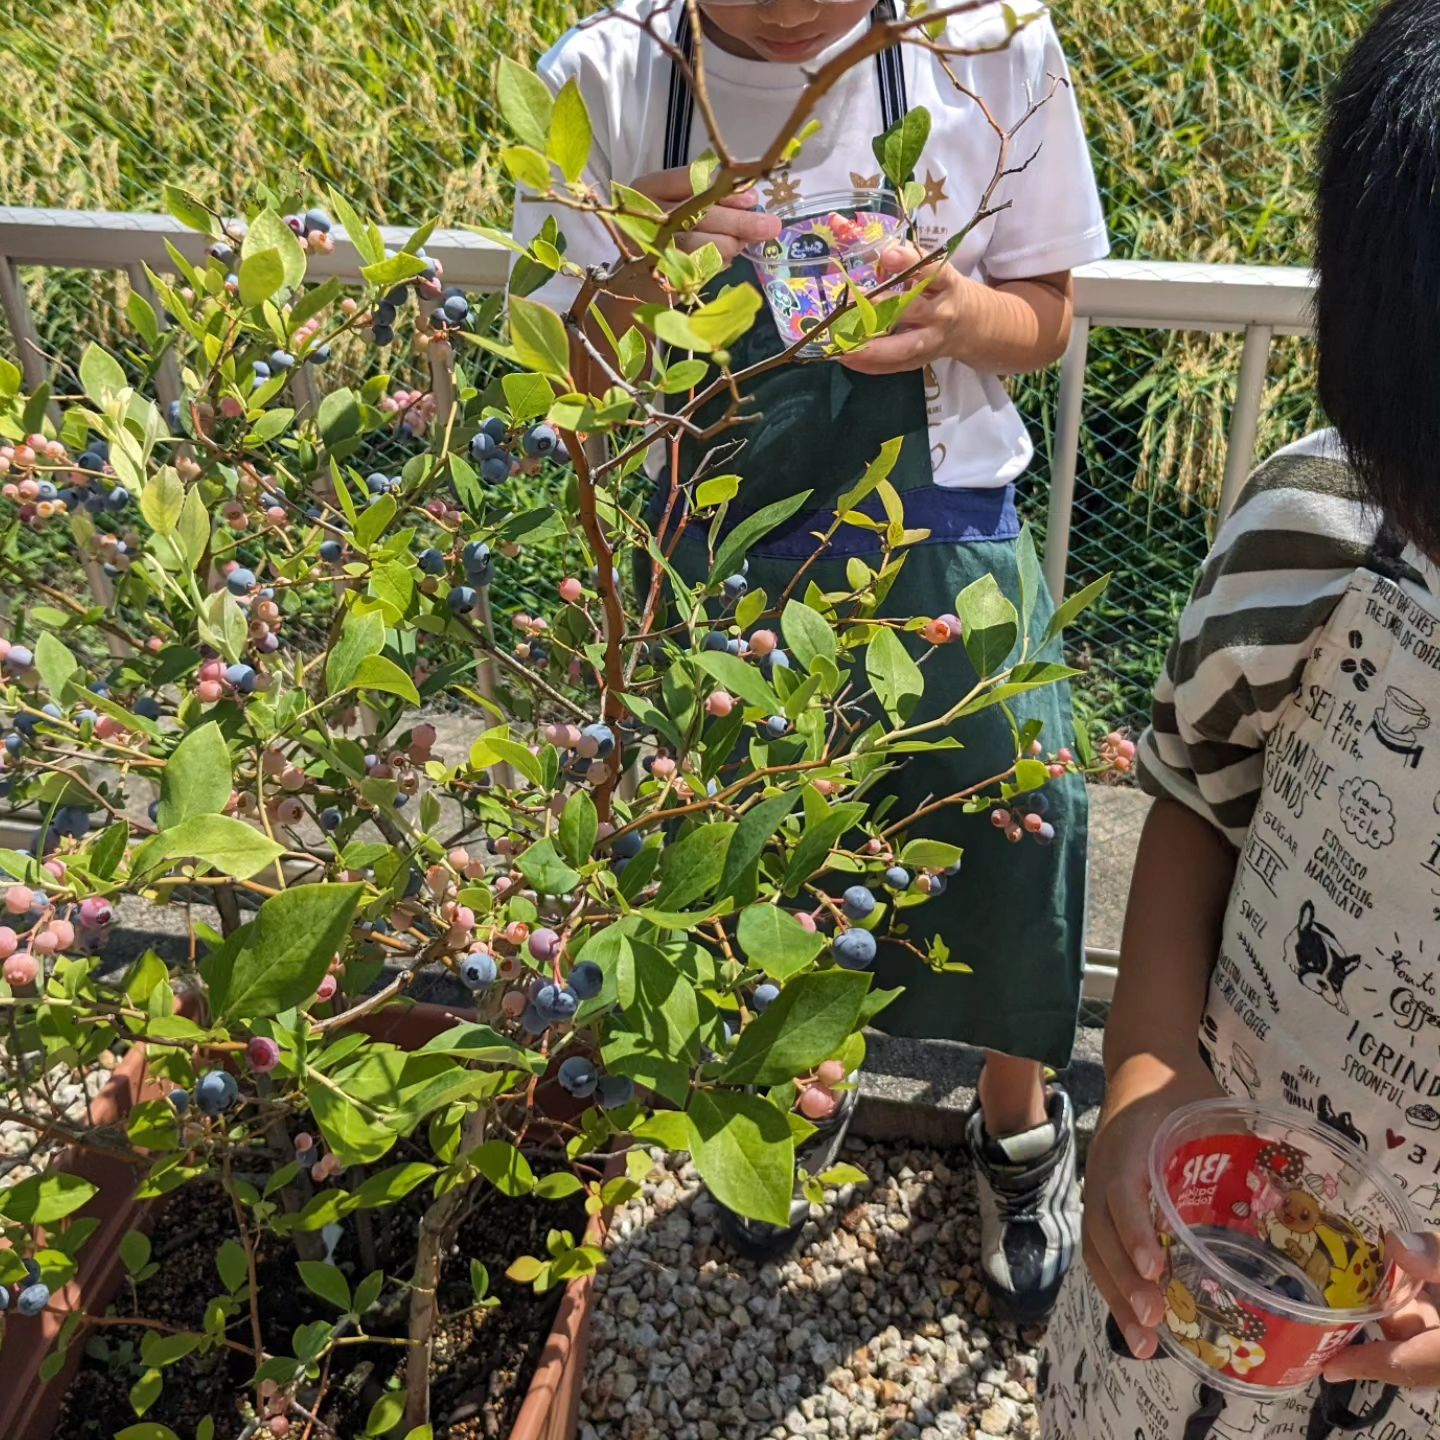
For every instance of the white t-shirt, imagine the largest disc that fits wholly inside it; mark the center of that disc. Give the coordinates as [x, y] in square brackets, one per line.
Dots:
[1054, 220]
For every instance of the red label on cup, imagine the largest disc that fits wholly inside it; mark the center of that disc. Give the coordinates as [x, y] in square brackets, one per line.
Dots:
[1256, 1204]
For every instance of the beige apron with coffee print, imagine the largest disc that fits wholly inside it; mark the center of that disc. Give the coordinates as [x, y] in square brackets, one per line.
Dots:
[1325, 998]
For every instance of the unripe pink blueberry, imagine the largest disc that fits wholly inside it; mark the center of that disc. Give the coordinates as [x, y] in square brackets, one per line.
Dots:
[18, 899]
[764, 642]
[21, 969]
[1065, 755]
[1014, 834]
[55, 868]
[1056, 772]
[231, 407]
[213, 670]
[42, 942]
[208, 692]
[831, 1073]
[571, 590]
[514, 1003]
[874, 845]
[463, 918]
[1032, 823]
[325, 990]
[544, 945]
[304, 1141]
[9, 942]
[516, 932]
[937, 632]
[95, 912]
[663, 767]
[262, 1054]
[459, 858]
[289, 811]
[719, 704]
[807, 921]
[293, 778]
[1000, 819]
[817, 1103]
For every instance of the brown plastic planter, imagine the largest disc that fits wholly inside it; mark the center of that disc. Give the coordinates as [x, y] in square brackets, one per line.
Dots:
[29, 1405]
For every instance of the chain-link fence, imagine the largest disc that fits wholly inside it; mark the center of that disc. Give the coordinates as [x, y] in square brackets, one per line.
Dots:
[1201, 117]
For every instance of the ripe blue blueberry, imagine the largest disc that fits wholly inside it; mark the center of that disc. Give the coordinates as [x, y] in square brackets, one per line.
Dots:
[604, 738]
[89, 460]
[382, 334]
[281, 360]
[615, 1090]
[377, 482]
[1037, 802]
[482, 444]
[222, 252]
[855, 949]
[478, 562]
[735, 587]
[897, 877]
[775, 659]
[118, 498]
[776, 726]
[332, 552]
[533, 1022]
[495, 469]
[541, 440]
[45, 490]
[628, 845]
[180, 1099]
[578, 1076]
[432, 562]
[317, 220]
[33, 1299]
[216, 1092]
[384, 313]
[859, 903]
[146, 707]
[462, 599]
[1045, 835]
[241, 676]
[937, 885]
[556, 1002]
[496, 428]
[715, 640]
[4, 1298]
[240, 581]
[478, 970]
[331, 818]
[765, 996]
[456, 308]
[320, 354]
[260, 370]
[587, 980]
[14, 743]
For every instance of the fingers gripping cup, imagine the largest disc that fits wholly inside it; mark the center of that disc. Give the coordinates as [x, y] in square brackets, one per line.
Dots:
[825, 245]
[1273, 1233]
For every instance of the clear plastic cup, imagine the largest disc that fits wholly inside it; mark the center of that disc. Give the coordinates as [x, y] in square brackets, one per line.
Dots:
[1273, 1231]
[827, 243]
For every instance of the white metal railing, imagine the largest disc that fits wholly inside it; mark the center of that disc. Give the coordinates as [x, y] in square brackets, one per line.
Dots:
[1260, 301]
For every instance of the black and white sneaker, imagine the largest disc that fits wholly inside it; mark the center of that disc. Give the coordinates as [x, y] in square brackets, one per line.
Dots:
[758, 1241]
[1029, 1210]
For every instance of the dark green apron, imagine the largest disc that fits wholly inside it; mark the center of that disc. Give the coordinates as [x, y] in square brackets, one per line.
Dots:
[1015, 913]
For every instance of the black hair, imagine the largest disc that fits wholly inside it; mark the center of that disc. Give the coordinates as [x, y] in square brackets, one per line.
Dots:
[1378, 260]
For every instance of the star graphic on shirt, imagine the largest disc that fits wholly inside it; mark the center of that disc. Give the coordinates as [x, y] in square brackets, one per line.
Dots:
[864, 182]
[783, 191]
[934, 191]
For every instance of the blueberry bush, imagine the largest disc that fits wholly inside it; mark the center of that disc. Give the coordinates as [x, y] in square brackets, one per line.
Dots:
[657, 868]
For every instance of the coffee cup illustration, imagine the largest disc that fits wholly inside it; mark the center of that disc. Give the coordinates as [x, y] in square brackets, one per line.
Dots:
[1402, 716]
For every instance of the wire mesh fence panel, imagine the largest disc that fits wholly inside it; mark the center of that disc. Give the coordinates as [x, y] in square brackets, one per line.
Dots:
[1201, 117]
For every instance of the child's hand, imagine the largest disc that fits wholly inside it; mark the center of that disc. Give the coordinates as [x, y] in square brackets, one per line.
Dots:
[1410, 1356]
[1124, 1257]
[730, 225]
[929, 328]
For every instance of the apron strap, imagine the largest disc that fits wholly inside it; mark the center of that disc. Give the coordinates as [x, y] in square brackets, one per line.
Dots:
[680, 113]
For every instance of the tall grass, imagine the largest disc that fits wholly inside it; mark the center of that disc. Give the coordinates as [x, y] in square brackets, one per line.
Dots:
[1201, 117]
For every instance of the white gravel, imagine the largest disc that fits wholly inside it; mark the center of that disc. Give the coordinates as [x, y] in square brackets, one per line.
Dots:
[57, 1098]
[875, 1326]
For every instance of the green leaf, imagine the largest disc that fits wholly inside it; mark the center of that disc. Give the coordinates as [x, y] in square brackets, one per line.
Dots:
[816, 842]
[482, 1045]
[930, 855]
[528, 396]
[806, 633]
[879, 469]
[223, 625]
[44, 1199]
[356, 1137]
[714, 326]
[152, 1125]
[260, 275]
[100, 374]
[197, 778]
[538, 335]
[894, 674]
[360, 636]
[579, 826]
[660, 1006]
[338, 417]
[141, 315]
[739, 678]
[542, 866]
[277, 960]
[162, 500]
[744, 1152]
[740, 540]
[525, 102]
[366, 240]
[393, 270]
[194, 528]
[268, 231]
[376, 672]
[1023, 678]
[392, 583]
[55, 663]
[677, 379]
[899, 149]
[691, 868]
[811, 1020]
[147, 1430]
[504, 1167]
[375, 521]
[570, 137]
[230, 1261]
[392, 1184]
[188, 210]
[1074, 606]
[230, 846]
[558, 1185]
[716, 490]
[388, 1410]
[326, 1281]
[134, 1251]
[776, 942]
[756, 829]
[991, 624]
[1031, 577]
[107, 851]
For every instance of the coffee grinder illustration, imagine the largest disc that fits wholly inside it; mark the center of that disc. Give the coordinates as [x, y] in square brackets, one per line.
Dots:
[1398, 724]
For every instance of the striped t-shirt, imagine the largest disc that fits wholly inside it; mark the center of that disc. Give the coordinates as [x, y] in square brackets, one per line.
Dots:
[1281, 563]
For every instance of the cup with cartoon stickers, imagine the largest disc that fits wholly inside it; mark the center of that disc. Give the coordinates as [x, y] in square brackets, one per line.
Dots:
[1273, 1232]
[828, 244]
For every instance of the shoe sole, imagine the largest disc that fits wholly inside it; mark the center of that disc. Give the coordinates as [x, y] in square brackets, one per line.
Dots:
[1021, 1310]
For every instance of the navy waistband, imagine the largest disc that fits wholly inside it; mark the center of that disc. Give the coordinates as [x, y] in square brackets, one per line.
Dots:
[952, 516]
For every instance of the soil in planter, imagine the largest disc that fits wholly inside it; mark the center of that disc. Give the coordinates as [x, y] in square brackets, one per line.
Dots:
[484, 1359]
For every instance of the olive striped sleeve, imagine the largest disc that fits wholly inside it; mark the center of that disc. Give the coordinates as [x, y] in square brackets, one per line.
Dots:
[1280, 565]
